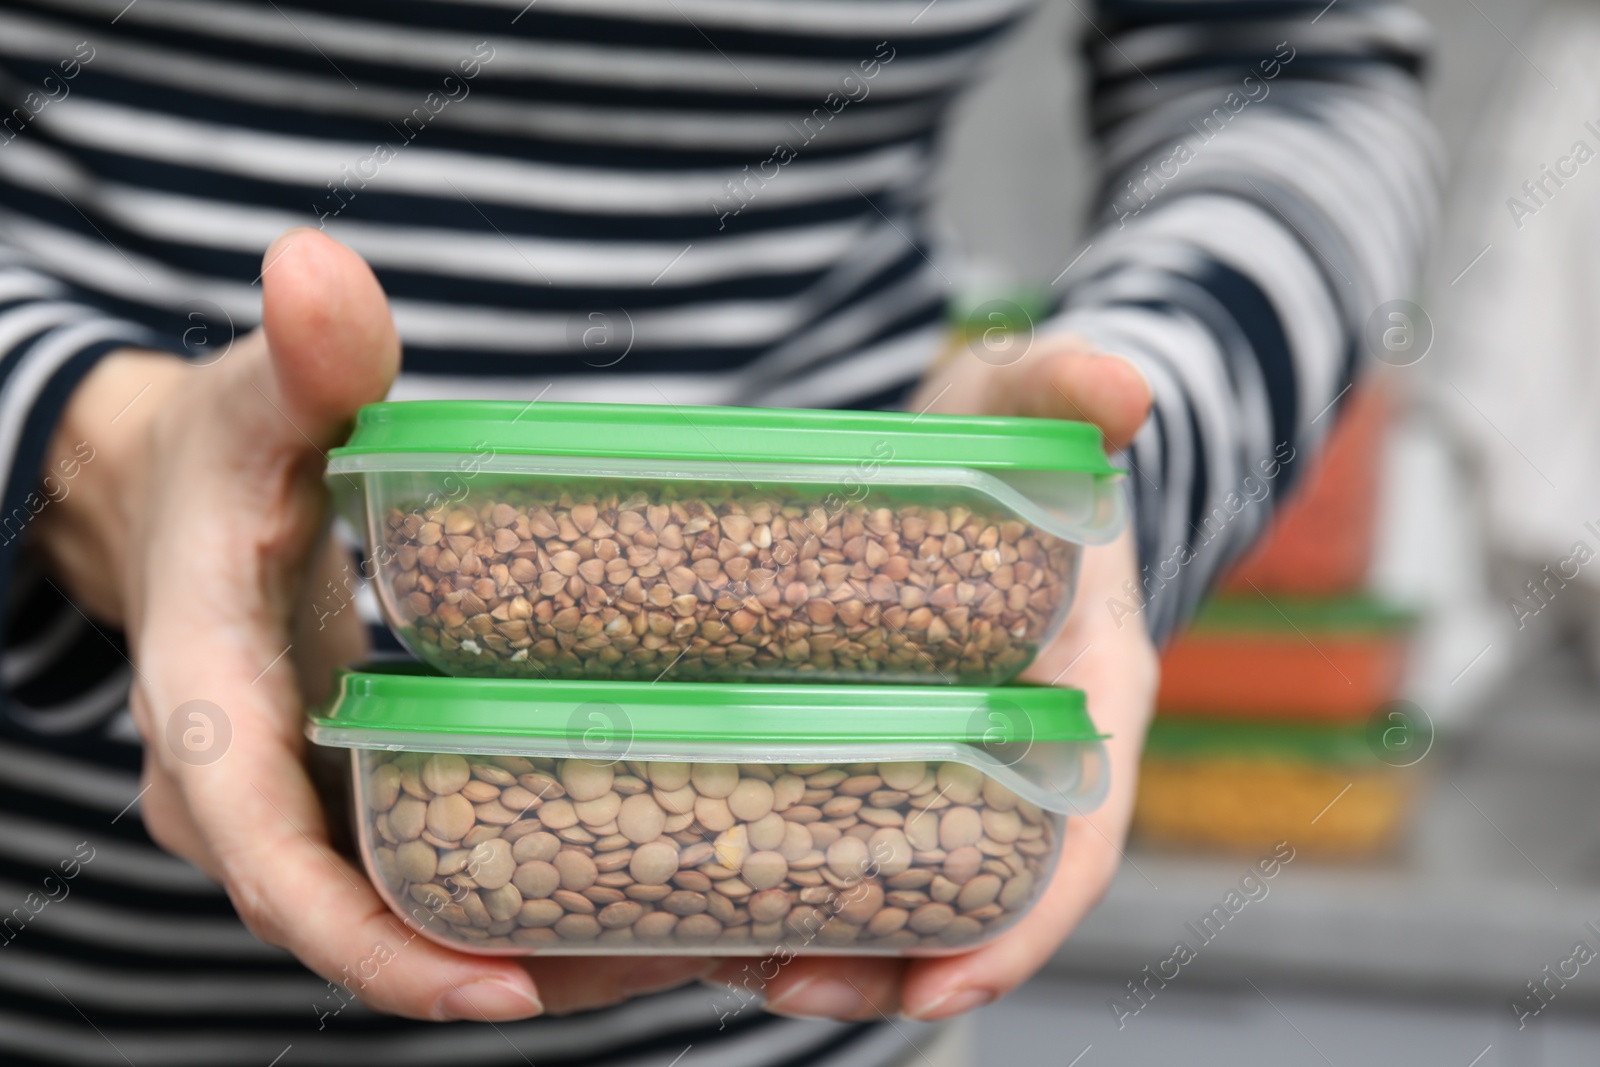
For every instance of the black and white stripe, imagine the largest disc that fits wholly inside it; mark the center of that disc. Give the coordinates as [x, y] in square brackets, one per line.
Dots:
[1241, 284]
[591, 168]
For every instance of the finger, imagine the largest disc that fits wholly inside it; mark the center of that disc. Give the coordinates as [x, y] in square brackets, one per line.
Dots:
[263, 832]
[948, 986]
[327, 321]
[167, 821]
[292, 889]
[1058, 377]
[244, 510]
[1118, 667]
[583, 984]
[326, 625]
[941, 988]
[1078, 383]
[816, 987]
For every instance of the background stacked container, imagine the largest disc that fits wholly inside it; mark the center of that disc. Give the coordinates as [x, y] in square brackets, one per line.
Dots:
[1277, 715]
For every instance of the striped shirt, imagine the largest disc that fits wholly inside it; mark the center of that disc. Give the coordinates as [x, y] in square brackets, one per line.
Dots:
[702, 201]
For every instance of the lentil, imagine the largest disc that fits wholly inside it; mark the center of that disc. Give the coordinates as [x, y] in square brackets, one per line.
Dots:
[750, 868]
[726, 586]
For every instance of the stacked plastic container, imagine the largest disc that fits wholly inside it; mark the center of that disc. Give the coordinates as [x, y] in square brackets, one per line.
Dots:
[1277, 715]
[716, 680]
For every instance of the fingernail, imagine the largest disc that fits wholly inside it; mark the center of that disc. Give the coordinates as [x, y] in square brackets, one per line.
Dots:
[1140, 371]
[653, 976]
[819, 998]
[953, 1003]
[487, 998]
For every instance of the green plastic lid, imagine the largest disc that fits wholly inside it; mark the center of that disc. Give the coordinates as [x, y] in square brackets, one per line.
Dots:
[1186, 738]
[1018, 310]
[729, 435]
[1250, 612]
[1039, 741]
[406, 697]
[1049, 472]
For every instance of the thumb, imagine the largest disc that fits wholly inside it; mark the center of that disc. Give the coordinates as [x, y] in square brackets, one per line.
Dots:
[1079, 383]
[332, 340]
[1055, 377]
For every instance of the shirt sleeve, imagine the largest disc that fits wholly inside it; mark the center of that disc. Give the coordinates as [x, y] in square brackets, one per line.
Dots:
[1269, 182]
[50, 337]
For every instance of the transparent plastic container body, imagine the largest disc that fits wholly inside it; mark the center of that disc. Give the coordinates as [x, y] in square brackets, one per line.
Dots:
[901, 858]
[645, 542]
[770, 573]
[513, 817]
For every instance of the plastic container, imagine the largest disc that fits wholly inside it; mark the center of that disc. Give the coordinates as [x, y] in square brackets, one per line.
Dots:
[642, 543]
[1250, 657]
[1245, 787]
[512, 817]
[1321, 541]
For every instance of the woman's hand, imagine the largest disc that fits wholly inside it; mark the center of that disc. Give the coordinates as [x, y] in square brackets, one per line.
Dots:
[199, 529]
[1111, 659]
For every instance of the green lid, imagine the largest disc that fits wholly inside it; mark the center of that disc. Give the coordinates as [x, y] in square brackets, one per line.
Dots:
[1039, 741]
[1013, 310]
[1252, 612]
[1187, 738]
[729, 435]
[406, 697]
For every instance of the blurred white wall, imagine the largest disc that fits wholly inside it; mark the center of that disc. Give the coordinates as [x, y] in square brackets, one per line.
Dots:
[1015, 178]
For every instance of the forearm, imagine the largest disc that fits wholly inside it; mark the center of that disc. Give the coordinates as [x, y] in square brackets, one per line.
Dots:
[1262, 199]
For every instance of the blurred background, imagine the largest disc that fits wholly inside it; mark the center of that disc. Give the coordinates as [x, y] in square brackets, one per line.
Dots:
[1401, 683]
